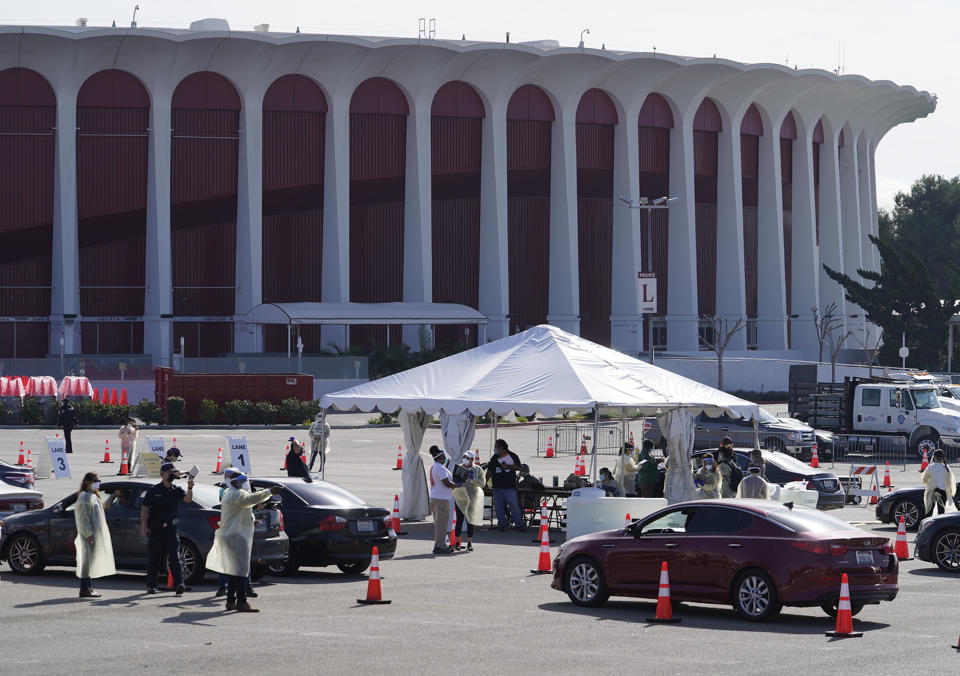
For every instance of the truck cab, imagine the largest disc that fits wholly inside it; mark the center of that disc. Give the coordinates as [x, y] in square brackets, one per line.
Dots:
[911, 410]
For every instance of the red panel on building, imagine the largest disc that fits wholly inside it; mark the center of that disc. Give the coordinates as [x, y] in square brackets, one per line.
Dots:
[816, 187]
[528, 145]
[749, 167]
[707, 117]
[378, 96]
[595, 147]
[656, 113]
[204, 155]
[706, 224]
[113, 117]
[789, 127]
[275, 338]
[530, 102]
[706, 127]
[529, 265]
[203, 339]
[750, 253]
[27, 146]
[596, 107]
[456, 145]
[818, 132]
[752, 124]
[457, 99]
[595, 217]
[294, 120]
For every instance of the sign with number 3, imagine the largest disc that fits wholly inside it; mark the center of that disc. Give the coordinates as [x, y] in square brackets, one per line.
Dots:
[239, 454]
[58, 458]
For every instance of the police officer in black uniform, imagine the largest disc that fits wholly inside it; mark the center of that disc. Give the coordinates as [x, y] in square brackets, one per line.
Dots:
[157, 517]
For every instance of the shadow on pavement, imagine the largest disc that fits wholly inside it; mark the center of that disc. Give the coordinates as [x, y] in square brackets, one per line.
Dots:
[707, 617]
[932, 572]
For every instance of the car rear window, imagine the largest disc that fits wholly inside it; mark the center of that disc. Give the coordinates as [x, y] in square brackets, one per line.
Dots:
[325, 494]
[802, 520]
[786, 462]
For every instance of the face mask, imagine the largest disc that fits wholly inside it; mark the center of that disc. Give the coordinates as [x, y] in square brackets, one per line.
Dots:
[708, 465]
[95, 486]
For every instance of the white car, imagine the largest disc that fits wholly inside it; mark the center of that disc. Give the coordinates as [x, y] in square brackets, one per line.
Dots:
[14, 500]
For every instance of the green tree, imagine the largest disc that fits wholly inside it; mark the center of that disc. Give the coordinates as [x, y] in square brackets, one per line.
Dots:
[904, 298]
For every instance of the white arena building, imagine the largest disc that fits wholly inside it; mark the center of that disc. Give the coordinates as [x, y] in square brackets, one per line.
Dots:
[156, 185]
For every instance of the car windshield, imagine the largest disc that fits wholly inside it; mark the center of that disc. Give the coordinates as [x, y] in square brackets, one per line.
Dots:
[804, 520]
[953, 391]
[786, 462]
[325, 494]
[766, 417]
[926, 399]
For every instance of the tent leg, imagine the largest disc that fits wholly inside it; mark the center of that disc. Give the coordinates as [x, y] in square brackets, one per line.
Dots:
[596, 433]
[756, 434]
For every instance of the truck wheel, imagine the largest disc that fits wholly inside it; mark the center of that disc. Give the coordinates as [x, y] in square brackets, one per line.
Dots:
[928, 443]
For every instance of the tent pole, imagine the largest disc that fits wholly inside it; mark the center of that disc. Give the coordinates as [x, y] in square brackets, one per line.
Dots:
[288, 345]
[756, 434]
[596, 432]
[323, 445]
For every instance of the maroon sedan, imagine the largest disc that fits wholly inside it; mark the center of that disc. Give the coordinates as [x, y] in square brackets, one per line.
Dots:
[755, 554]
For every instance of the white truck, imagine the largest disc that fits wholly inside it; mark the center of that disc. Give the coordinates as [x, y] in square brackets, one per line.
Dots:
[881, 406]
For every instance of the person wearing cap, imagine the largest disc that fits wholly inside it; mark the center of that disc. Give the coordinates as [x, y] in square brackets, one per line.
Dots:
[708, 477]
[468, 496]
[233, 540]
[222, 578]
[319, 440]
[296, 466]
[729, 471]
[68, 419]
[626, 470]
[158, 524]
[753, 485]
[441, 491]
[173, 455]
[756, 458]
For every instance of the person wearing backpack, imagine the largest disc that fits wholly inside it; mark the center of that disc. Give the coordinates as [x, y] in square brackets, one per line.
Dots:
[730, 471]
[647, 479]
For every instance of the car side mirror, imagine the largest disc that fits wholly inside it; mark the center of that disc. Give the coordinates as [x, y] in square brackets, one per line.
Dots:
[58, 508]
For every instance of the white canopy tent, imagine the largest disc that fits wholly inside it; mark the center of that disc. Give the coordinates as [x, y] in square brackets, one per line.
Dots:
[347, 314]
[545, 370]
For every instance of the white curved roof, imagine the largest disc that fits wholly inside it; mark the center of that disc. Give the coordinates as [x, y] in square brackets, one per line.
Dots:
[541, 370]
[364, 313]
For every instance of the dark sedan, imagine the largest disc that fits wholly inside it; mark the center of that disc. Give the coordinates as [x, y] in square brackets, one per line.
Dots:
[328, 525]
[22, 477]
[939, 541]
[783, 469]
[754, 554]
[908, 503]
[33, 540]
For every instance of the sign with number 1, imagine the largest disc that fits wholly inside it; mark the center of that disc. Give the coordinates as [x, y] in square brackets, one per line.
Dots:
[239, 453]
[58, 458]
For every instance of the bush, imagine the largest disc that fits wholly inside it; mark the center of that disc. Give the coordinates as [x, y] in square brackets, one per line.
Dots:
[291, 411]
[148, 412]
[31, 414]
[207, 411]
[264, 413]
[384, 419]
[176, 408]
[237, 411]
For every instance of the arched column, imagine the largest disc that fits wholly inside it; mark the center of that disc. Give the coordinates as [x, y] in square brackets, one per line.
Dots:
[771, 307]
[831, 235]
[804, 269]
[682, 316]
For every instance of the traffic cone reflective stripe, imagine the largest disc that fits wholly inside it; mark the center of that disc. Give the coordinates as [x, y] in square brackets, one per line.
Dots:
[106, 453]
[844, 626]
[926, 461]
[550, 447]
[21, 461]
[29, 458]
[664, 607]
[399, 464]
[124, 469]
[886, 476]
[374, 595]
[900, 548]
[395, 517]
[219, 469]
[814, 459]
[576, 466]
[543, 565]
[631, 437]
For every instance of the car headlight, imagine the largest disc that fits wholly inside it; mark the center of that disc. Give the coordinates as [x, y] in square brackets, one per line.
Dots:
[924, 525]
[793, 436]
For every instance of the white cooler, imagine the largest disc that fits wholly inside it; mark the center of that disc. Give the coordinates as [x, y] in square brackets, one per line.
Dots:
[588, 511]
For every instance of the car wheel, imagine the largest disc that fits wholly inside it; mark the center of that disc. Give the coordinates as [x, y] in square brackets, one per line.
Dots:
[755, 596]
[585, 583]
[353, 567]
[285, 567]
[928, 443]
[911, 512]
[831, 608]
[946, 551]
[190, 563]
[25, 555]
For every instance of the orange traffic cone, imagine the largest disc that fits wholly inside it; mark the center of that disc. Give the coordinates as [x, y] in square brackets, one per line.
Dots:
[29, 458]
[21, 461]
[106, 453]
[925, 462]
[395, 517]
[664, 607]
[844, 628]
[399, 464]
[114, 401]
[583, 445]
[814, 459]
[583, 465]
[549, 447]
[452, 538]
[96, 394]
[123, 397]
[544, 524]
[629, 521]
[169, 579]
[886, 476]
[219, 469]
[124, 469]
[543, 566]
[631, 437]
[900, 548]
[875, 487]
[373, 582]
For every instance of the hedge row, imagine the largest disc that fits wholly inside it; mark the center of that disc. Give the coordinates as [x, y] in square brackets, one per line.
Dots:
[244, 412]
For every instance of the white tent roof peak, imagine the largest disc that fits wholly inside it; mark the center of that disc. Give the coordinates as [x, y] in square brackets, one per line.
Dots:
[542, 370]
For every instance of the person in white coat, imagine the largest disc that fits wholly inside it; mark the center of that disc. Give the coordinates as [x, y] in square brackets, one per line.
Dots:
[468, 496]
[233, 540]
[93, 544]
[626, 470]
[753, 485]
[939, 482]
[319, 440]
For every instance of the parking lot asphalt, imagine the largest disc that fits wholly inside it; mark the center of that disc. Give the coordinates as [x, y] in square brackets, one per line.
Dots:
[467, 613]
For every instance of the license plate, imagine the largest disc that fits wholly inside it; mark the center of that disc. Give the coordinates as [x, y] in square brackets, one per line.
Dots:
[19, 507]
[365, 526]
[865, 558]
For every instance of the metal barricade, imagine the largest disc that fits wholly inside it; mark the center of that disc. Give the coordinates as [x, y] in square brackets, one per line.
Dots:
[567, 437]
[866, 449]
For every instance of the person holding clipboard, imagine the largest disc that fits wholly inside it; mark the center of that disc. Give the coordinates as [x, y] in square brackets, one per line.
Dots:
[502, 472]
[468, 495]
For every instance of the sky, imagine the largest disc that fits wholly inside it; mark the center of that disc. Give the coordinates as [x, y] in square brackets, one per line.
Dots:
[907, 42]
